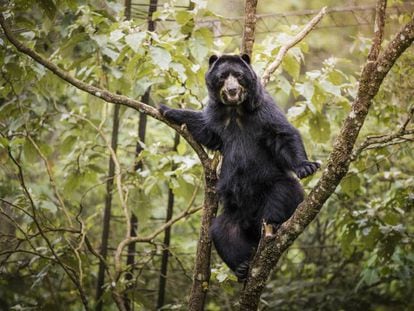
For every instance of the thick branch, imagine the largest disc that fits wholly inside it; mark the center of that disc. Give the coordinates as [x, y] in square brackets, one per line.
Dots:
[249, 27]
[202, 267]
[270, 249]
[378, 30]
[102, 93]
[286, 47]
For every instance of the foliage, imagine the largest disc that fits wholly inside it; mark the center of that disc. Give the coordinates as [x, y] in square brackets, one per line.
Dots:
[54, 153]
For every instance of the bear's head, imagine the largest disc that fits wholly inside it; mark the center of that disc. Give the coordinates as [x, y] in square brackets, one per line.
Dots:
[231, 81]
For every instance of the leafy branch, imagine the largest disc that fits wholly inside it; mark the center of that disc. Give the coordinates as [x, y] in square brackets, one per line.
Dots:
[271, 68]
[380, 141]
[102, 93]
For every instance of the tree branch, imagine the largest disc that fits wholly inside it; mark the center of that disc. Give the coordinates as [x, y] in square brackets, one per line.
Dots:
[68, 270]
[271, 248]
[379, 24]
[102, 93]
[271, 68]
[380, 141]
[249, 27]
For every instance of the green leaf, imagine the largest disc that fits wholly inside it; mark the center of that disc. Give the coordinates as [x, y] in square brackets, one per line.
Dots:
[305, 89]
[49, 7]
[4, 142]
[182, 17]
[284, 85]
[319, 128]
[110, 53]
[48, 205]
[330, 88]
[390, 218]
[161, 57]
[201, 43]
[347, 239]
[134, 40]
[336, 77]
[116, 35]
[370, 276]
[296, 111]
[350, 184]
[318, 98]
[181, 148]
[291, 65]
[72, 183]
[30, 152]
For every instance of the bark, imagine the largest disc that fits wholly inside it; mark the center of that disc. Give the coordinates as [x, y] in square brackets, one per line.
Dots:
[201, 275]
[249, 27]
[271, 249]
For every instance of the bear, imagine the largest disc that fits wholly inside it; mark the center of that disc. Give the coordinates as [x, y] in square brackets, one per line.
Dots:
[260, 152]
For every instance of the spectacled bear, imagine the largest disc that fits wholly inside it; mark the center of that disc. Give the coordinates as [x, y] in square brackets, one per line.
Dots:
[260, 150]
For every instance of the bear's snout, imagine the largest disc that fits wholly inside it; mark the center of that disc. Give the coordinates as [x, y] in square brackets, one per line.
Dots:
[232, 93]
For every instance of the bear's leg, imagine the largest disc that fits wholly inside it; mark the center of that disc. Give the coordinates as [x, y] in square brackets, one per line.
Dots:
[281, 202]
[232, 244]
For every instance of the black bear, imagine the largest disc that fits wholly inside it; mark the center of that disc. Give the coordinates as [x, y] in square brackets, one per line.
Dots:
[260, 150]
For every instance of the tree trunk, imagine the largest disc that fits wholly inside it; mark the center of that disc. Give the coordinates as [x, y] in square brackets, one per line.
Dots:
[107, 211]
[166, 243]
[249, 27]
[201, 275]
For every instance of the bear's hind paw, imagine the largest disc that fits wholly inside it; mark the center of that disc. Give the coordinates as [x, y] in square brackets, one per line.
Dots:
[242, 271]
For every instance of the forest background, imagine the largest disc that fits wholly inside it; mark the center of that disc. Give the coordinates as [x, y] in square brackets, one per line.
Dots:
[81, 176]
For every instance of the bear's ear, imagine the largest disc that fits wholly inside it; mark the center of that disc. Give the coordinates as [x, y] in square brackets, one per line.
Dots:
[246, 58]
[212, 60]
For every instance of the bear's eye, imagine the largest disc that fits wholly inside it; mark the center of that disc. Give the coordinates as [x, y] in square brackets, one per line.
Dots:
[238, 75]
[223, 76]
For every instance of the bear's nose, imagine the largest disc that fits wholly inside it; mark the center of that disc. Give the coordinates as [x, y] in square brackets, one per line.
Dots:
[232, 91]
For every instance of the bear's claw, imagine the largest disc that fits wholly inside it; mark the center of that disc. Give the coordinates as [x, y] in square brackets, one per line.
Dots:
[306, 168]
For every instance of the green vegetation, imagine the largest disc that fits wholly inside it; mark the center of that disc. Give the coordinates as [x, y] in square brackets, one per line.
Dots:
[54, 152]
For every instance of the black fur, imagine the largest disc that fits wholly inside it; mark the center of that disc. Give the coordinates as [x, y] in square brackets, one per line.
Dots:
[260, 151]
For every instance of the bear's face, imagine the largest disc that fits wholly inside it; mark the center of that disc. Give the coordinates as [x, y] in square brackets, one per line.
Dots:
[230, 79]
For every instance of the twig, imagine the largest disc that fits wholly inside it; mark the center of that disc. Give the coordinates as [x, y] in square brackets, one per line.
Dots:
[381, 142]
[68, 270]
[118, 175]
[134, 239]
[149, 238]
[285, 48]
[51, 179]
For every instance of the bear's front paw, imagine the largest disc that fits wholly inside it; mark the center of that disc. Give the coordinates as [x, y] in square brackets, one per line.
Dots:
[171, 114]
[163, 109]
[306, 168]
